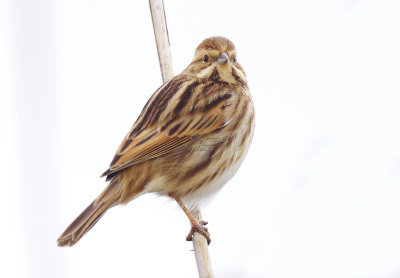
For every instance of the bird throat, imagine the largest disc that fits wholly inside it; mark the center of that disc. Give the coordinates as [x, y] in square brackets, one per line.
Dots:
[219, 74]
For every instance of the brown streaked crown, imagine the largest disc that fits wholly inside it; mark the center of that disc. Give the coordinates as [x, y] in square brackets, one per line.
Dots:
[216, 43]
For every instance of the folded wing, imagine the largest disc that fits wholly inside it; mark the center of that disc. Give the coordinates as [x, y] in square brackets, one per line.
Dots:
[151, 140]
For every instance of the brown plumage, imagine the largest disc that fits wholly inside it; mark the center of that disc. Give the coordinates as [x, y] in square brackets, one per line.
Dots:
[188, 141]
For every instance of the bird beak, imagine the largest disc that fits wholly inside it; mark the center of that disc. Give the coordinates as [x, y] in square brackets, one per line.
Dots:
[223, 58]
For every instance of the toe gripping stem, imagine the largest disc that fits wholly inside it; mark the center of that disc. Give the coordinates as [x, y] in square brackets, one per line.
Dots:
[197, 226]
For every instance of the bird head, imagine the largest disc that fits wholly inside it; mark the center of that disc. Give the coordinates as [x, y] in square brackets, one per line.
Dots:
[215, 59]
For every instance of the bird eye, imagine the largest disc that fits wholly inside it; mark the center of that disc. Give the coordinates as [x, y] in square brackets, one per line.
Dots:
[205, 59]
[234, 59]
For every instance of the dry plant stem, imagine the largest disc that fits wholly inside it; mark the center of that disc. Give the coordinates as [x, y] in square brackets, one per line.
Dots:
[162, 39]
[200, 248]
[200, 245]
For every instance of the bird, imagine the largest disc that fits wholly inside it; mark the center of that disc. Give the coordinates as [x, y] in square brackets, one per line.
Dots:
[189, 140]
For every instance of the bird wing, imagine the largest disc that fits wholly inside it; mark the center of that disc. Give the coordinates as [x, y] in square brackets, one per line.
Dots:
[147, 140]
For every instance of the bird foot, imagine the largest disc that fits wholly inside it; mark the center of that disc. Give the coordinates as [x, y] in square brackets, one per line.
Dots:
[199, 228]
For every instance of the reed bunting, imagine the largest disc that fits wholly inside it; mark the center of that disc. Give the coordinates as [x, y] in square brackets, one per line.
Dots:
[189, 140]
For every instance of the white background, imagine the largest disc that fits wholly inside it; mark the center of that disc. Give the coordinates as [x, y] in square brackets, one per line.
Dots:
[318, 194]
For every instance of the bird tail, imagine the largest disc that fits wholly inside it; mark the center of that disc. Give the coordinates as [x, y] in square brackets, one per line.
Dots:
[86, 220]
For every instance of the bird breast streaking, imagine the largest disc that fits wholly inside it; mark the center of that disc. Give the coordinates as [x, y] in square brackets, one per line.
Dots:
[189, 140]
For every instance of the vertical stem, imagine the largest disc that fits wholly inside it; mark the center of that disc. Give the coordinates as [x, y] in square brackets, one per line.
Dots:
[200, 248]
[200, 245]
[162, 39]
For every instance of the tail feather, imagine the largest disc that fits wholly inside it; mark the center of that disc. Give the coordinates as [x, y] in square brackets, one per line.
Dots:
[86, 220]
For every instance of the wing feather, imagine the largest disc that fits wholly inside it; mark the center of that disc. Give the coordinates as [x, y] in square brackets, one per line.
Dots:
[170, 133]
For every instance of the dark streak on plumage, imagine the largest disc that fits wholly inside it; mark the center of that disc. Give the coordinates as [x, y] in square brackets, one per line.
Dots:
[80, 217]
[116, 158]
[237, 77]
[167, 124]
[85, 228]
[246, 134]
[147, 138]
[206, 120]
[214, 75]
[209, 87]
[160, 102]
[241, 115]
[144, 115]
[211, 122]
[197, 186]
[239, 155]
[203, 164]
[213, 175]
[134, 187]
[174, 128]
[185, 127]
[194, 126]
[126, 144]
[217, 101]
[153, 109]
[185, 97]
[207, 91]
[136, 130]
[230, 140]
[111, 175]
[232, 160]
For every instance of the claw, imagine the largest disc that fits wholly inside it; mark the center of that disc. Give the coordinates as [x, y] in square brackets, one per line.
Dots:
[199, 228]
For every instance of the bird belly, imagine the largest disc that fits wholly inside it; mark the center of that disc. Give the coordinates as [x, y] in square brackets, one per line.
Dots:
[208, 190]
[219, 172]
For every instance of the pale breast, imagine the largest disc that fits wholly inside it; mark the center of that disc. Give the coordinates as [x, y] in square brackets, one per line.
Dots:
[224, 164]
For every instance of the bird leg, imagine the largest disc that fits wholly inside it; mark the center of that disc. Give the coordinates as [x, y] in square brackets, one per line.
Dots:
[197, 227]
